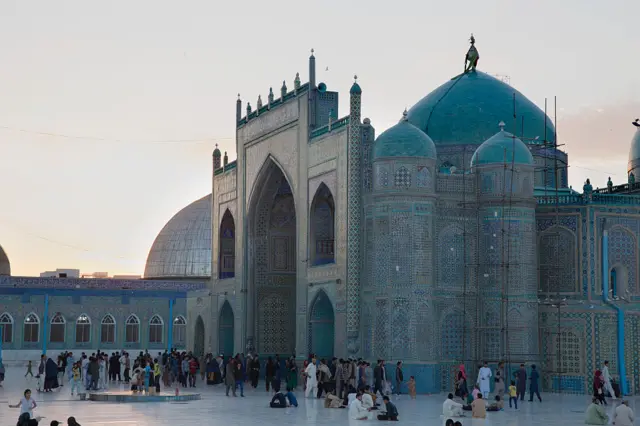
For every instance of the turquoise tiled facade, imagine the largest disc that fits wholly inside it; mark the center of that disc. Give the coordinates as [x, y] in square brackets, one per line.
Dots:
[441, 242]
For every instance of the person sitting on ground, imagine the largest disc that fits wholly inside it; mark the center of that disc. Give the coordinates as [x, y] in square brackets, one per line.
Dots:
[458, 423]
[478, 408]
[466, 402]
[367, 390]
[623, 416]
[475, 392]
[350, 395]
[26, 420]
[450, 408]
[367, 401]
[71, 421]
[595, 414]
[293, 401]
[391, 412]
[449, 422]
[332, 401]
[497, 405]
[356, 410]
[278, 400]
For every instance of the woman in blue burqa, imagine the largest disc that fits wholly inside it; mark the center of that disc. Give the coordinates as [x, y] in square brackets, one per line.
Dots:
[50, 375]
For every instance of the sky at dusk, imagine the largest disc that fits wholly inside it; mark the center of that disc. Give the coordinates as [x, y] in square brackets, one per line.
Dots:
[109, 111]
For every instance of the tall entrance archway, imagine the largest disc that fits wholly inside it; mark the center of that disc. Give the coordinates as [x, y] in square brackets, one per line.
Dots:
[198, 337]
[321, 327]
[272, 245]
[225, 330]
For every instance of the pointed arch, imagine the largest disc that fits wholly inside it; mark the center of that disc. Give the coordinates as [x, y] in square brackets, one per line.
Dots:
[108, 329]
[623, 255]
[57, 328]
[179, 331]
[321, 326]
[272, 242]
[6, 324]
[31, 328]
[83, 329]
[132, 329]
[198, 340]
[156, 329]
[322, 226]
[558, 260]
[227, 246]
[5, 265]
[226, 323]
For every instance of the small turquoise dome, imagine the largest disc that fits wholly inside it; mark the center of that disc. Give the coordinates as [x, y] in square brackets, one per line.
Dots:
[464, 110]
[404, 140]
[501, 147]
[216, 152]
[355, 89]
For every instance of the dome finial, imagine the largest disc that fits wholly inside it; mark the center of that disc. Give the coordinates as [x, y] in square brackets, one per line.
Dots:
[404, 115]
[355, 78]
[501, 124]
[636, 122]
[472, 56]
[312, 51]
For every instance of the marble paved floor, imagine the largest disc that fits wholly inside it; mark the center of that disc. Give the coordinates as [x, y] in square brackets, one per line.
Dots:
[216, 408]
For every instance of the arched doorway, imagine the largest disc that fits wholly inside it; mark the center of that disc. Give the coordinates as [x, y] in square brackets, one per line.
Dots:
[225, 330]
[272, 245]
[321, 327]
[198, 339]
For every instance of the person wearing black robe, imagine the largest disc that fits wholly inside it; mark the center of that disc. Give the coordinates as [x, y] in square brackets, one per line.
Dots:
[50, 375]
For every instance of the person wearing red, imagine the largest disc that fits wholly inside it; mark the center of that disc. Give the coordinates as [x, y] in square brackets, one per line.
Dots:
[193, 369]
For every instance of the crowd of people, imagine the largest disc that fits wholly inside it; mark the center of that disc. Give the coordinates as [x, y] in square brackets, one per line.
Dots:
[344, 383]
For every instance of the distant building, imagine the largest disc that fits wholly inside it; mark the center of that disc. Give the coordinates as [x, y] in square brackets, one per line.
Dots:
[61, 273]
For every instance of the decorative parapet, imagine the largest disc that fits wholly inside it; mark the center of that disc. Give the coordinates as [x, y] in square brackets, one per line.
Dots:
[230, 166]
[344, 121]
[99, 284]
[619, 189]
[276, 103]
[608, 199]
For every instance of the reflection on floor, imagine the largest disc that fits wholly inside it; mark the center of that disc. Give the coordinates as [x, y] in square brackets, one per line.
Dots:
[216, 408]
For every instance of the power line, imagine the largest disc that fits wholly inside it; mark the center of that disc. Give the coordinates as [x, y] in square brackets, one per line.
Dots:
[101, 139]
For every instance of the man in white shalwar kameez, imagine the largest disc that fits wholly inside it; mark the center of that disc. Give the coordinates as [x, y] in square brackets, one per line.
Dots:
[312, 380]
[484, 380]
[607, 379]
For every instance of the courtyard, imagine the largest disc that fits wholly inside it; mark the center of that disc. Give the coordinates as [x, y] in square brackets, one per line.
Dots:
[215, 408]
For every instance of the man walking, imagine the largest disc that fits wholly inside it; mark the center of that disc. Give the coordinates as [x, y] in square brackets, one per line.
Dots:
[607, 380]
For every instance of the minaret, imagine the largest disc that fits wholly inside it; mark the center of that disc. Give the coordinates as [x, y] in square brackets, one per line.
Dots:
[238, 109]
[216, 158]
[312, 92]
[354, 213]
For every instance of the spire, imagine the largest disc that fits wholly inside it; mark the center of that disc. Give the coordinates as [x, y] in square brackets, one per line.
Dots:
[216, 158]
[238, 108]
[312, 71]
[259, 103]
[283, 90]
[226, 159]
[270, 98]
[296, 82]
[472, 56]
[248, 109]
[501, 124]
[404, 115]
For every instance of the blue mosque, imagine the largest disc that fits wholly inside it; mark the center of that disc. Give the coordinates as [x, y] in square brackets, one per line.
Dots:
[452, 237]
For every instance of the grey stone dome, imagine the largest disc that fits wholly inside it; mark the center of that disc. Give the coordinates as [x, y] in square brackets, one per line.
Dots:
[5, 266]
[182, 250]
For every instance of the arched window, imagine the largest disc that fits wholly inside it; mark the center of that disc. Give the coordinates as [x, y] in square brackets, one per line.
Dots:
[31, 329]
[6, 325]
[156, 329]
[179, 330]
[227, 261]
[83, 329]
[132, 329]
[323, 226]
[58, 328]
[108, 329]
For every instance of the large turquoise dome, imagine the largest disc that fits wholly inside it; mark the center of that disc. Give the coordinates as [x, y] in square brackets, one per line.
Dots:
[466, 109]
[502, 147]
[634, 152]
[404, 140]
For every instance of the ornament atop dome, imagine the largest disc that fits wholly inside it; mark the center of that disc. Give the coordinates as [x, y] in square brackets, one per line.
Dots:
[472, 56]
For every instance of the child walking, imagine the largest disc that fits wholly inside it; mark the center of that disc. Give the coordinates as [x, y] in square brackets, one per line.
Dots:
[75, 378]
[29, 372]
[513, 394]
[412, 387]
